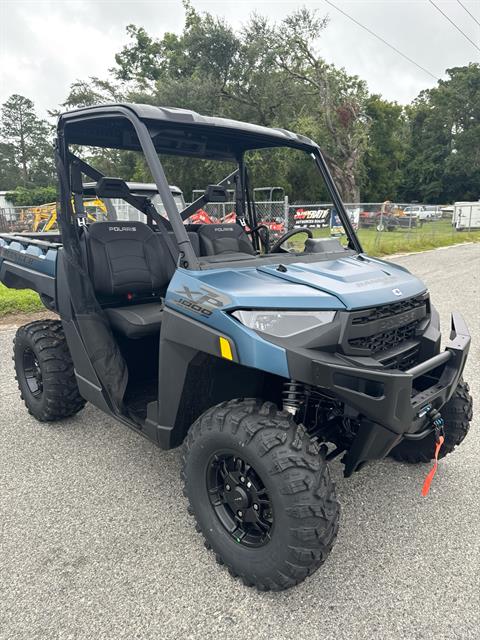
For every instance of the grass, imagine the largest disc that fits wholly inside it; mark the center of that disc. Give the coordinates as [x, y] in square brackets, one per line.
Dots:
[430, 236]
[18, 301]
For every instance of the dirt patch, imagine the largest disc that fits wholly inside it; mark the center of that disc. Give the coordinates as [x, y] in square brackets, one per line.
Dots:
[15, 320]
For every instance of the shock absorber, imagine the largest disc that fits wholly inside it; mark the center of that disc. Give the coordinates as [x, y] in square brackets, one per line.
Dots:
[293, 396]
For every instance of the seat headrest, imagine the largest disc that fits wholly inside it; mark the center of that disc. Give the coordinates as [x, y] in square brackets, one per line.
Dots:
[119, 230]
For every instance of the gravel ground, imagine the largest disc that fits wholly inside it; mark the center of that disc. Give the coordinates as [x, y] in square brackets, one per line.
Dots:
[96, 543]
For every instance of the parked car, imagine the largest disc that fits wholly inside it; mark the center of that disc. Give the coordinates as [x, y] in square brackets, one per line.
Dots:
[423, 213]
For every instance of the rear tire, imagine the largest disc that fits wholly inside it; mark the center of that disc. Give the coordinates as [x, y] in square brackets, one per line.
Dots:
[457, 415]
[44, 371]
[297, 514]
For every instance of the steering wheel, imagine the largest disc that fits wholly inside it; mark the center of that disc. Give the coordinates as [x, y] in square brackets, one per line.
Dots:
[265, 240]
[277, 247]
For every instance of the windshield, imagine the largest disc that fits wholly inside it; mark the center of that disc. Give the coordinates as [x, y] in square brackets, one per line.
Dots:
[284, 190]
[240, 194]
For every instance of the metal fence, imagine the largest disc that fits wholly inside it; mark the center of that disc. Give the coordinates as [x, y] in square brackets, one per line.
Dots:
[390, 227]
[382, 227]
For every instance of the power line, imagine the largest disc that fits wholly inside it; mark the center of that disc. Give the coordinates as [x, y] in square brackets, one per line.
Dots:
[375, 35]
[453, 23]
[470, 14]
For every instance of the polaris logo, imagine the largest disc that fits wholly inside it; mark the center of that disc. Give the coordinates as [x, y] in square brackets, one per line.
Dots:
[223, 229]
[122, 228]
[397, 292]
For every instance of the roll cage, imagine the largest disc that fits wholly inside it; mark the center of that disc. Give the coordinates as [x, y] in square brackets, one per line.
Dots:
[155, 130]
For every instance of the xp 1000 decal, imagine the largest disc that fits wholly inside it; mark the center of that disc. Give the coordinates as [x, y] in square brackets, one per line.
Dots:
[203, 300]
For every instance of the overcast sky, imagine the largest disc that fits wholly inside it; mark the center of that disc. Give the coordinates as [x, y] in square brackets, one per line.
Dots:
[45, 45]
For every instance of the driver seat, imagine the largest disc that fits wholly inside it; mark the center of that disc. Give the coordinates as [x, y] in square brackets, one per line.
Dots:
[223, 240]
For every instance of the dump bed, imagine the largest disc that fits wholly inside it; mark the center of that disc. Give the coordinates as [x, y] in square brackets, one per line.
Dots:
[29, 261]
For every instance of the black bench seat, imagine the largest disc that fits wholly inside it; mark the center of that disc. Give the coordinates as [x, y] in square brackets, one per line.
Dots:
[136, 321]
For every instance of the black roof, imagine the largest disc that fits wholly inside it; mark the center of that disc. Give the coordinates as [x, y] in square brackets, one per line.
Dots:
[174, 131]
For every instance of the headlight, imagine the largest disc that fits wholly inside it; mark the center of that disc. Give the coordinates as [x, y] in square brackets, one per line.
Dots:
[283, 324]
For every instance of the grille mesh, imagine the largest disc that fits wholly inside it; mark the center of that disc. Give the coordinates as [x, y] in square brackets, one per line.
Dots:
[388, 310]
[386, 340]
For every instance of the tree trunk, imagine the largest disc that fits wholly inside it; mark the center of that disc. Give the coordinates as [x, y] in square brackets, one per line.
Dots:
[345, 181]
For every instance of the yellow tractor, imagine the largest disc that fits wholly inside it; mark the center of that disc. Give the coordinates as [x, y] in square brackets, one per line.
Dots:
[45, 216]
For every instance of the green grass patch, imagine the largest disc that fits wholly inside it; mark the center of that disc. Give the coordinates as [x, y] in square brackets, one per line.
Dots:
[16, 301]
[429, 236]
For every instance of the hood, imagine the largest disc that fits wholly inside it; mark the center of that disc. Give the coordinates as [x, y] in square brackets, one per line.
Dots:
[351, 282]
[357, 281]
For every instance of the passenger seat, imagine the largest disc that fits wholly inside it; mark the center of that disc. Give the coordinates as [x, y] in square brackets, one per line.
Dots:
[219, 239]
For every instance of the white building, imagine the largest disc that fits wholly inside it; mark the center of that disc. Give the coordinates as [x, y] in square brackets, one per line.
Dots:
[4, 203]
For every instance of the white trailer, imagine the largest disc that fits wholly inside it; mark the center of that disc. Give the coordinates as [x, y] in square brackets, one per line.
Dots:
[466, 215]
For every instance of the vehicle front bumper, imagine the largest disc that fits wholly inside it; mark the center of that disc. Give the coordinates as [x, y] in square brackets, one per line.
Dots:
[393, 404]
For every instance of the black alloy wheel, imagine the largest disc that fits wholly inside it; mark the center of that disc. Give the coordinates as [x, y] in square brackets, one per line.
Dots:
[261, 493]
[239, 499]
[44, 371]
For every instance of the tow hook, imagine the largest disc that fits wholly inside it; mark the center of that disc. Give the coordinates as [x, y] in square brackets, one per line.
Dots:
[435, 420]
[438, 424]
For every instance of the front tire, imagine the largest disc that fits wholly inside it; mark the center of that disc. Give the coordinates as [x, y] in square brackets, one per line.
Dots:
[44, 371]
[457, 415]
[261, 493]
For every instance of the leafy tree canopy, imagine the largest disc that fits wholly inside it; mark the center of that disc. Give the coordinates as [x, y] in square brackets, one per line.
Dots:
[27, 139]
[24, 197]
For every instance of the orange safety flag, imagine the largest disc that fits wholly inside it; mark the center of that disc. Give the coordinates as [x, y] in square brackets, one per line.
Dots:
[433, 470]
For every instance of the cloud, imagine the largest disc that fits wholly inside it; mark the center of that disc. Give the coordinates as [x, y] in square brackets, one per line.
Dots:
[46, 45]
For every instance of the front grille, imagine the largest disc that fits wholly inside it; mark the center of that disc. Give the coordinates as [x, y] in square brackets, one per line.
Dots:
[392, 309]
[402, 361]
[387, 339]
[388, 332]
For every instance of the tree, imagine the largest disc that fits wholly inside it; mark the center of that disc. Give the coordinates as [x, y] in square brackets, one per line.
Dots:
[388, 140]
[28, 137]
[273, 74]
[9, 172]
[23, 197]
[87, 93]
[334, 102]
[443, 162]
[268, 74]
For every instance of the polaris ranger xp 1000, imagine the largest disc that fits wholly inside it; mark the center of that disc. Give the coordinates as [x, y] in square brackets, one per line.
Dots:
[264, 359]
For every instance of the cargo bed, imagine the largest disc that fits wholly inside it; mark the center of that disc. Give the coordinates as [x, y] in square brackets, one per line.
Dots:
[29, 261]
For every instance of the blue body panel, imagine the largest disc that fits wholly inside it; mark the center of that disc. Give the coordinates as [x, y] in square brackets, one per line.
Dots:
[343, 284]
[347, 283]
[31, 256]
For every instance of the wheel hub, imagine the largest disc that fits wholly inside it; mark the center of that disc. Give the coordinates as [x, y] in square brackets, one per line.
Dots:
[240, 500]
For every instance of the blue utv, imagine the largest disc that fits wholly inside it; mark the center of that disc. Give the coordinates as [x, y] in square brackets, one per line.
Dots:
[264, 359]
